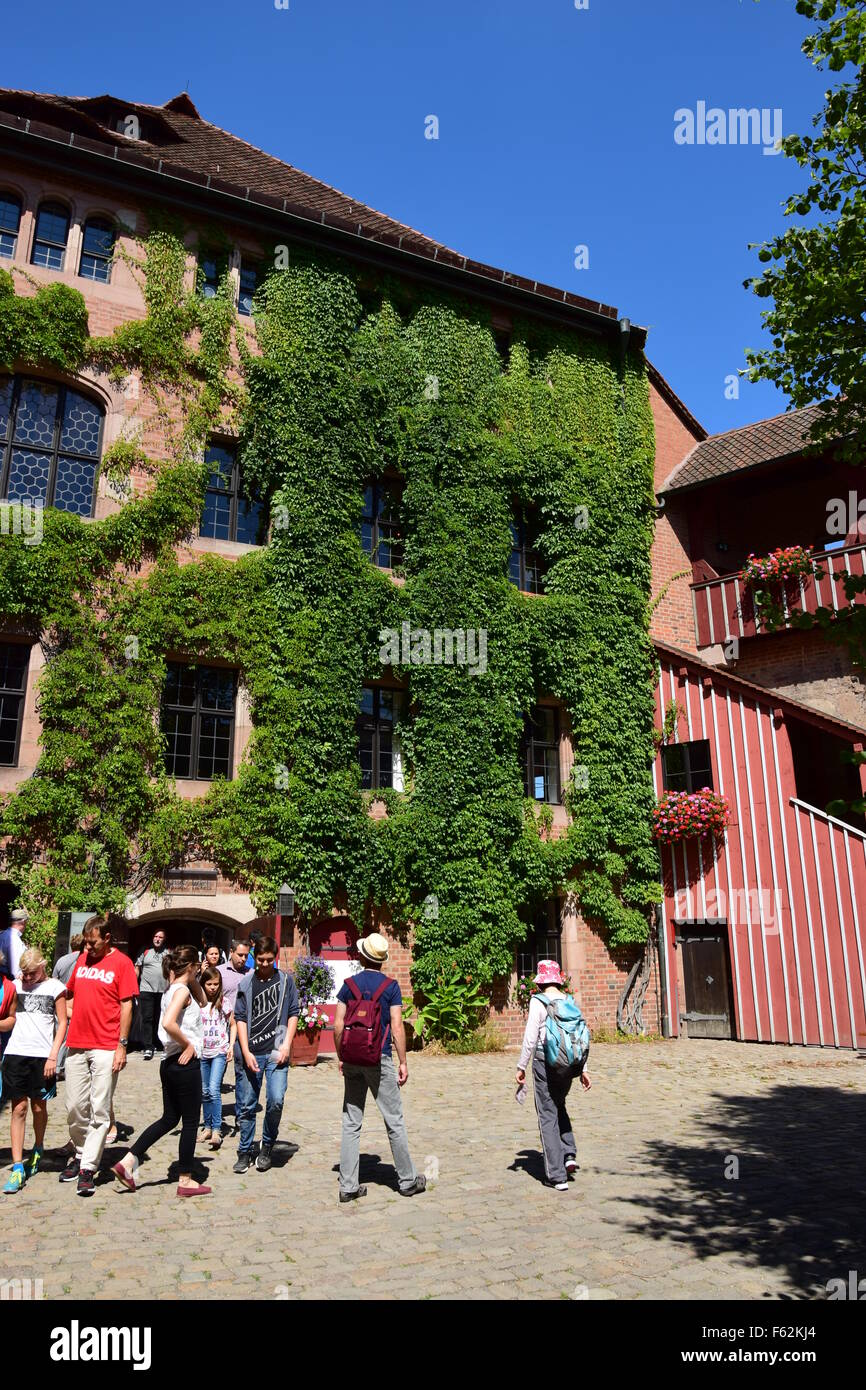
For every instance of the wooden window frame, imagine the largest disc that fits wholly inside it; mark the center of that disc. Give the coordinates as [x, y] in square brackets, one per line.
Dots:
[13, 200]
[521, 548]
[21, 695]
[695, 780]
[52, 206]
[251, 268]
[97, 256]
[528, 746]
[362, 719]
[377, 486]
[198, 712]
[233, 492]
[549, 930]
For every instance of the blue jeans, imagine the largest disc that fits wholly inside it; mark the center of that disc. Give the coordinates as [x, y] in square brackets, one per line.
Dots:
[212, 1072]
[248, 1085]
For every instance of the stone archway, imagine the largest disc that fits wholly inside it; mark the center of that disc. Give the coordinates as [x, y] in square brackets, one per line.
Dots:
[183, 927]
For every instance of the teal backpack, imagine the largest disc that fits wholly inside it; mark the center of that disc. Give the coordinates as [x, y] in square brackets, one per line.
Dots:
[566, 1036]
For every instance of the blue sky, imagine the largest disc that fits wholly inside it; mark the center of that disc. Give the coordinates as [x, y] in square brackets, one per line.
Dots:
[556, 129]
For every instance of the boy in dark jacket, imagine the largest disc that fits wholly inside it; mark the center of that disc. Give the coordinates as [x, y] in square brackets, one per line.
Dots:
[266, 1013]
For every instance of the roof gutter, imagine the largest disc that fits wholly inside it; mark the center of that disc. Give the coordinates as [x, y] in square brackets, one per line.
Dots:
[172, 185]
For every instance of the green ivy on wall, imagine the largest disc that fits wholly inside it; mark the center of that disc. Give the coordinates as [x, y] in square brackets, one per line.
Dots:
[348, 378]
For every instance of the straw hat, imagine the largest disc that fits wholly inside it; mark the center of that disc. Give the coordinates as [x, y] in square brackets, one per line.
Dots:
[373, 947]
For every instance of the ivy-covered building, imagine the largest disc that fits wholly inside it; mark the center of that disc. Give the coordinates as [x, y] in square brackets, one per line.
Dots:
[325, 561]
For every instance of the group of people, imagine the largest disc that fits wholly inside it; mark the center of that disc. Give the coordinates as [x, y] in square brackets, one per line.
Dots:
[77, 1021]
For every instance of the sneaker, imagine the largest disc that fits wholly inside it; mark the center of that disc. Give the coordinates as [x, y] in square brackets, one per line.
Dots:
[571, 1167]
[15, 1180]
[560, 1187]
[86, 1185]
[263, 1162]
[419, 1185]
[148, 1055]
[33, 1163]
[71, 1171]
[243, 1163]
[353, 1196]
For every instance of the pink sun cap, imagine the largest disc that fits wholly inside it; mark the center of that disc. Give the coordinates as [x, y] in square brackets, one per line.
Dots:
[549, 973]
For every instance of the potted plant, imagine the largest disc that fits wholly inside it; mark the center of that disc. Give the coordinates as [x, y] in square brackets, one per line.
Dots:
[690, 815]
[315, 981]
[773, 579]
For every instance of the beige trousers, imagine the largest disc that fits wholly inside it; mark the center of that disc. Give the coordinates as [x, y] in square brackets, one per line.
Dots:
[90, 1084]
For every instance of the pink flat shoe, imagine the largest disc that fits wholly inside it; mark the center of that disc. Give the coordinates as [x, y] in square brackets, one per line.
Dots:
[124, 1176]
[199, 1191]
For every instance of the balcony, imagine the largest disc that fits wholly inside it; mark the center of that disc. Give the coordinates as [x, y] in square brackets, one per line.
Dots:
[724, 610]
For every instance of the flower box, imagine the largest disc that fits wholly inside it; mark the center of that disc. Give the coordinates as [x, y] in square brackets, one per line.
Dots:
[690, 815]
[783, 564]
[773, 582]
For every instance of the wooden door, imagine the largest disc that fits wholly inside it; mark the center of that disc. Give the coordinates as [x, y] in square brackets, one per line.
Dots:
[334, 940]
[707, 981]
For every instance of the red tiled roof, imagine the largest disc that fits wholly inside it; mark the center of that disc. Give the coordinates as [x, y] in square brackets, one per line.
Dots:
[179, 140]
[782, 436]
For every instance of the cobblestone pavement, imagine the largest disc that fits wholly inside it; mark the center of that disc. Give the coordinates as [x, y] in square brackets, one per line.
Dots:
[708, 1170]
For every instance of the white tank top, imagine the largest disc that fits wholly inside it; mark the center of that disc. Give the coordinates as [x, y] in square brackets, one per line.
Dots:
[190, 1023]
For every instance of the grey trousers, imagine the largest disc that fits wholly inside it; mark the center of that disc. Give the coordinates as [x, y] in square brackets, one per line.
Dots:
[382, 1081]
[557, 1139]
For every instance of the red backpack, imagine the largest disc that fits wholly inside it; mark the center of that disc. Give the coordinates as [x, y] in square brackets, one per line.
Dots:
[361, 1043]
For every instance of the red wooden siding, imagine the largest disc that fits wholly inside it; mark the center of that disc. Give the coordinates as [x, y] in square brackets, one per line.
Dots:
[789, 880]
[723, 609]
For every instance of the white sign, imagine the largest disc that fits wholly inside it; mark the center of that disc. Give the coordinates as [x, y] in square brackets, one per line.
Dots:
[342, 970]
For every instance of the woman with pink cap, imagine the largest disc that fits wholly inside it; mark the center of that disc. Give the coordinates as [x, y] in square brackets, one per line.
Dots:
[550, 1086]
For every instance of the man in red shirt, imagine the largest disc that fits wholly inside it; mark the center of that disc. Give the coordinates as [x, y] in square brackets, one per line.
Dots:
[101, 989]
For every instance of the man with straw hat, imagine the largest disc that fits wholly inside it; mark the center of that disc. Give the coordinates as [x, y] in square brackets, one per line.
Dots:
[369, 1019]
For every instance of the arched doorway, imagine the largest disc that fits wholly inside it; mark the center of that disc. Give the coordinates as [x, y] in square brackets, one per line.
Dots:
[181, 930]
[333, 938]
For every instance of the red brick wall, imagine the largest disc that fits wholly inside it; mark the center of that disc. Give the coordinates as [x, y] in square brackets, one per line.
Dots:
[601, 977]
[673, 618]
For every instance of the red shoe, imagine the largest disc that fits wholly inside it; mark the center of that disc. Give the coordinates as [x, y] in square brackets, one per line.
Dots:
[124, 1176]
[200, 1191]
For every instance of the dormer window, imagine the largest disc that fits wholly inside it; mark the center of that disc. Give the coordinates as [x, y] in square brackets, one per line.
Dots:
[97, 249]
[52, 233]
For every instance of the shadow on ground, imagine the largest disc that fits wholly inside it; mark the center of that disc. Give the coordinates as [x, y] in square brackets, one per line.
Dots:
[793, 1200]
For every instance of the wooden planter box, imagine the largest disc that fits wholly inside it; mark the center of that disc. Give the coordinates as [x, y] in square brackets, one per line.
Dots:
[305, 1049]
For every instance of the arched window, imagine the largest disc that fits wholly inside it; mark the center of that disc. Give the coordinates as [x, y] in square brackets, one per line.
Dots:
[10, 221]
[50, 438]
[97, 249]
[52, 231]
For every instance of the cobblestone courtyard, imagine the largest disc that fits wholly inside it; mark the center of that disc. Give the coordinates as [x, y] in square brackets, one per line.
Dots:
[651, 1215]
